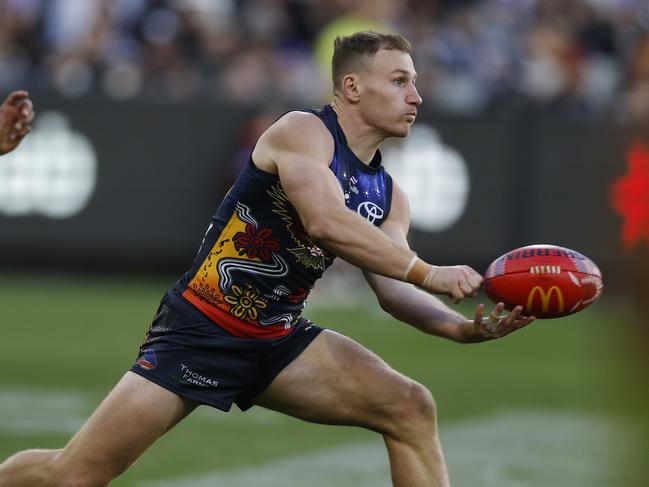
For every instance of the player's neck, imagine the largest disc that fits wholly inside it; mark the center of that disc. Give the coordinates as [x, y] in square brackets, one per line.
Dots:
[362, 139]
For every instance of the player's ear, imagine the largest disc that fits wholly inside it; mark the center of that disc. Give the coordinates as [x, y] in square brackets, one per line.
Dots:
[350, 88]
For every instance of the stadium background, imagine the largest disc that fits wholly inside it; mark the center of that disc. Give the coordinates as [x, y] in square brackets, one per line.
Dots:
[534, 128]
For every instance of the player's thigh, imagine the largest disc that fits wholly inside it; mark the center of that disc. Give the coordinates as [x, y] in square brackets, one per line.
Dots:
[335, 380]
[128, 421]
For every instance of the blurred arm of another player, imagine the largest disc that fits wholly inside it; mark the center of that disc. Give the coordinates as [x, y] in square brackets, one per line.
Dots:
[16, 114]
[299, 148]
[424, 311]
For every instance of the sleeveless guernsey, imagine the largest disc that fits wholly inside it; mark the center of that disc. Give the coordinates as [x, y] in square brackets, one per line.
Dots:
[257, 264]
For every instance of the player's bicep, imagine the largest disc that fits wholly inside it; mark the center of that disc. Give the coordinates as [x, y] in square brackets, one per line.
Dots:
[301, 148]
[311, 188]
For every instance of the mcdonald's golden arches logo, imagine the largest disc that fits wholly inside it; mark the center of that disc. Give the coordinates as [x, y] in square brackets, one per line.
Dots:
[545, 298]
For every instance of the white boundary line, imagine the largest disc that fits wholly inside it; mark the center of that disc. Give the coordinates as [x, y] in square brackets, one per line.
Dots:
[31, 412]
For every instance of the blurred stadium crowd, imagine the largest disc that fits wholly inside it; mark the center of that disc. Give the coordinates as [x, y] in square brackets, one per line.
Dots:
[583, 57]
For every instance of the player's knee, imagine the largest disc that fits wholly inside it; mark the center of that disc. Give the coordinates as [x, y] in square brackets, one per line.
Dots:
[83, 479]
[416, 415]
[421, 407]
[74, 474]
[78, 481]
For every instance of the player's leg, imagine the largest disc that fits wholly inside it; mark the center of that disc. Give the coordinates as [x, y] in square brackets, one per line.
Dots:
[128, 421]
[337, 381]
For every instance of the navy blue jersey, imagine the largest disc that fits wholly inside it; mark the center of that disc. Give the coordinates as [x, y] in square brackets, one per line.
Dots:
[257, 264]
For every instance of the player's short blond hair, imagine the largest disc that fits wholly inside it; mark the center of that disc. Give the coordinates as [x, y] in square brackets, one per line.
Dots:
[352, 53]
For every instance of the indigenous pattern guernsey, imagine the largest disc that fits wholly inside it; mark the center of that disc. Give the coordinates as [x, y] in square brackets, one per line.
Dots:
[257, 264]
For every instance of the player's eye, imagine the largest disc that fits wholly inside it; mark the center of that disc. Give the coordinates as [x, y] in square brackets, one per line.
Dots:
[398, 81]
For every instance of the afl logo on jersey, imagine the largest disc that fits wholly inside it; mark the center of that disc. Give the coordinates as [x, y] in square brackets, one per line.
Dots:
[370, 211]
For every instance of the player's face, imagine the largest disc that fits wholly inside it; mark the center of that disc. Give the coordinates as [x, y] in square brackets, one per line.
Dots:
[389, 97]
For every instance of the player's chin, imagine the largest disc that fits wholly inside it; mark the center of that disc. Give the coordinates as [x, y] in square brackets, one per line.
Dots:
[401, 130]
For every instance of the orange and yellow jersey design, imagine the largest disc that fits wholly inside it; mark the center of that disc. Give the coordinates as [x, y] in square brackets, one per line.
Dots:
[257, 264]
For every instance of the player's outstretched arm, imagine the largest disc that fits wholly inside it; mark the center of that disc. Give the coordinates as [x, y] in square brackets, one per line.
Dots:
[16, 114]
[299, 148]
[424, 311]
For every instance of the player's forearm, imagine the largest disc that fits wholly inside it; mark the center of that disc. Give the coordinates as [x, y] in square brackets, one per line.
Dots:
[423, 311]
[362, 244]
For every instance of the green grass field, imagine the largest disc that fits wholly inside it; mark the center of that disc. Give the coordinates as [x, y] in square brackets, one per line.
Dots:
[554, 405]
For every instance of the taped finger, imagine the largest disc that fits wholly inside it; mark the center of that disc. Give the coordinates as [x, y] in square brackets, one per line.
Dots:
[490, 324]
[495, 315]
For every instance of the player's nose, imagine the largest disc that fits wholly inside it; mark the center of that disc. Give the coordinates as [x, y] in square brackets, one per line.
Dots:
[413, 97]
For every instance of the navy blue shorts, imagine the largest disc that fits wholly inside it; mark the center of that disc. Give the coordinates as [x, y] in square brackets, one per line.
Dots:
[191, 356]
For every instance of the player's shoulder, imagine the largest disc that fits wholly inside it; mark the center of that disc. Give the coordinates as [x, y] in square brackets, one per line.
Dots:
[297, 133]
[300, 127]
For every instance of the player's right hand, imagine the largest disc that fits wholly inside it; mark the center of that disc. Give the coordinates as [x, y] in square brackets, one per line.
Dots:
[457, 282]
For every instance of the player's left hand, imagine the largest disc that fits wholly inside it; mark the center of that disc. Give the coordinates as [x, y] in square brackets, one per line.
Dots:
[16, 114]
[496, 325]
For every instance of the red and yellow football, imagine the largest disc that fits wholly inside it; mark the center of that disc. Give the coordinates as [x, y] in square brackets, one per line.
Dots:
[547, 280]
